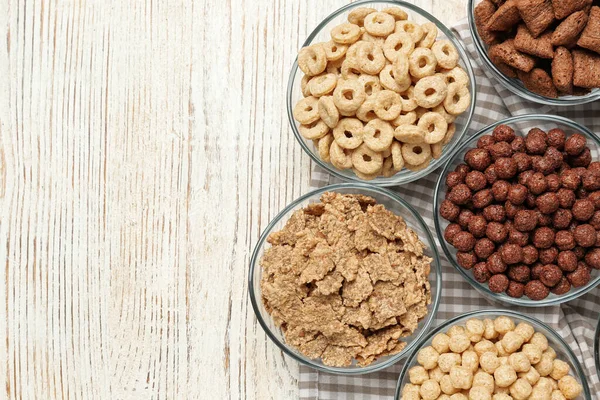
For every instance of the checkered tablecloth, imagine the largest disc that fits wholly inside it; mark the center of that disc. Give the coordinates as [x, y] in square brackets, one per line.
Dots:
[574, 321]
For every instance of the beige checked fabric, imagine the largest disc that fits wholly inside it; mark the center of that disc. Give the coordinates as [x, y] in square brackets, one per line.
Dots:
[574, 321]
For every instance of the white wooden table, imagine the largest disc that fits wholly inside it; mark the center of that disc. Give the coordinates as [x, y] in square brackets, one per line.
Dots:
[143, 148]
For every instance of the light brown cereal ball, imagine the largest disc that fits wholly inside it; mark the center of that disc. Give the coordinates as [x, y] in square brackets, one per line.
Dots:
[500, 348]
[430, 390]
[441, 343]
[557, 395]
[470, 359]
[485, 346]
[503, 324]
[539, 340]
[448, 360]
[503, 360]
[489, 362]
[545, 366]
[443, 396]
[512, 342]
[428, 357]
[549, 352]
[532, 376]
[569, 387]
[489, 331]
[525, 330]
[458, 396]
[479, 393]
[475, 329]
[521, 389]
[501, 390]
[533, 352]
[485, 380]
[505, 375]
[545, 384]
[411, 392]
[418, 375]
[502, 396]
[456, 330]
[559, 369]
[459, 343]
[436, 374]
[461, 377]
[519, 362]
[446, 385]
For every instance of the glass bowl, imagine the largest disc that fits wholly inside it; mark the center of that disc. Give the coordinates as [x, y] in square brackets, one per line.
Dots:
[521, 125]
[513, 84]
[563, 351]
[393, 203]
[597, 348]
[321, 34]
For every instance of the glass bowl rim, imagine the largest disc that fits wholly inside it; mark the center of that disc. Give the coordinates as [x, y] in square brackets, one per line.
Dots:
[254, 297]
[520, 91]
[435, 164]
[497, 312]
[437, 218]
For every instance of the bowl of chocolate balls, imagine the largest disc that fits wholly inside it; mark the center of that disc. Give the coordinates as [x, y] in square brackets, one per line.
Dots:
[517, 210]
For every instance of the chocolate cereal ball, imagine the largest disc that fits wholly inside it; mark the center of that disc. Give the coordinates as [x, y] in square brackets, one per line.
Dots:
[499, 150]
[575, 144]
[485, 141]
[547, 203]
[536, 290]
[582, 160]
[498, 283]
[476, 180]
[500, 190]
[503, 133]
[451, 231]
[518, 145]
[506, 168]
[562, 287]
[585, 235]
[567, 260]
[518, 238]
[524, 176]
[555, 157]
[464, 217]
[592, 258]
[496, 232]
[544, 165]
[543, 237]
[495, 264]
[530, 255]
[511, 209]
[570, 179]
[566, 198]
[556, 138]
[535, 142]
[548, 256]
[463, 170]
[562, 218]
[517, 194]
[564, 240]
[478, 159]
[595, 220]
[464, 241]
[459, 194]
[467, 260]
[590, 180]
[477, 226]
[594, 166]
[537, 183]
[519, 273]
[484, 248]
[579, 252]
[490, 174]
[553, 182]
[494, 213]
[536, 269]
[544, 219]
[515, 289]
[594, 197]
[525, 220]
[583, 209]
[449, 210]
[523, 161]
[483, 198]
[550, 275]
[581, 276]
[511, 254]
[481, 273]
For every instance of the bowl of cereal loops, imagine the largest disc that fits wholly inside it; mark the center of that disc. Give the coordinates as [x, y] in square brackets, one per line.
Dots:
[381, 93]
[492, 354]
[517, 210]
[544, 51]
[346, 279]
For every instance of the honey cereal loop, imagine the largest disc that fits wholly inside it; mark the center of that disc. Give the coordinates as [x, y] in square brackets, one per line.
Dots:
[314, 130]
[435, 127]
[379, 24]
[367, 177]
[430, 33]
[334, 51]
[366, 111]
[388, 80]
[408, 118]
[366, 160]
[410, 134]
[370, 84]
[322, 84]
[378, 135]
[328, 112]
[458, 99]
[445, 53]
[340, 158]
[397, 44]
[304, 85]
[388, 105]
[346, 33]
[357, 15]
[396, 12]
[397, 159]
[312, 60]
[408, 100]
[430, 92]
[412, 28]
[324, 146]
[348, 95]
[370, 58]
[419, 167]
[306, 110]
[422, 62]
[457, 75]
[350, 69]
[348, 133]
[416, 154]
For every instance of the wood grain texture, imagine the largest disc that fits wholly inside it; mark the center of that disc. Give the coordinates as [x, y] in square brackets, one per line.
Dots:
[143, 148]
